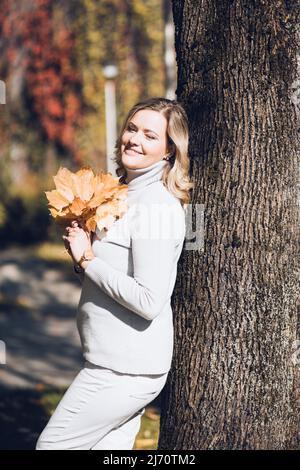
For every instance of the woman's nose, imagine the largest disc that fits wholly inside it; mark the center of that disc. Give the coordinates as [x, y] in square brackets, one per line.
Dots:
[135, 138]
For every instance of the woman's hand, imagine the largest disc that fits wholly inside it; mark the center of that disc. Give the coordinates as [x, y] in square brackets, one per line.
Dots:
[76, 241]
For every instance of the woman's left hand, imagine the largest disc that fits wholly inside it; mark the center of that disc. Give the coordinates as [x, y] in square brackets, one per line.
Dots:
[79, 241]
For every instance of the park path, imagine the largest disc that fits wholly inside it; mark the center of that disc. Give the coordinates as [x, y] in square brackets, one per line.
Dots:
[38, 303]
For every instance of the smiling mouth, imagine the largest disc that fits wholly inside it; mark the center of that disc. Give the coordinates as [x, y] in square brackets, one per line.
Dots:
[133, 152]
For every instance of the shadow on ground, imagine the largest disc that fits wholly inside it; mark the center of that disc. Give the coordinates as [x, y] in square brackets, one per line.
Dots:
[22, 419]
[38, 306]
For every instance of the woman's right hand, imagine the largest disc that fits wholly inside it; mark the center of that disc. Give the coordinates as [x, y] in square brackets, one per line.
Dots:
[76, 241]
[66, 241]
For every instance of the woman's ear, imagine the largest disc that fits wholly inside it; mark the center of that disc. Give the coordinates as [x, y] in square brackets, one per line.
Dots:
[171, 149]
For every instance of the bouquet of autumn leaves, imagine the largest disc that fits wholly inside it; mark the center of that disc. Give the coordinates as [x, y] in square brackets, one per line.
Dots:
[93, 200]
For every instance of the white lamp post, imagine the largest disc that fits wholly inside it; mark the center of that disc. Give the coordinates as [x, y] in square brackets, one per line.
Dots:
[170, 59]
[110, 72]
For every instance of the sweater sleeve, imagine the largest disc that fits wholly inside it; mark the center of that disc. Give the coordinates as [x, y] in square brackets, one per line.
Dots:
[154, 265]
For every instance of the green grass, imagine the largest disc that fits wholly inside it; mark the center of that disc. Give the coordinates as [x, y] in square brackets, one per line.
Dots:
[51, 252]
[147, 437]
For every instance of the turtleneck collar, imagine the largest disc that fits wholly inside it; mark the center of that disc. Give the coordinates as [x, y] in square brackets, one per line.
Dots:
[141, 177]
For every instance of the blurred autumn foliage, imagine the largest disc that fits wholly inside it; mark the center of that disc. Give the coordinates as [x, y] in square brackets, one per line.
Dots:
[52, 54]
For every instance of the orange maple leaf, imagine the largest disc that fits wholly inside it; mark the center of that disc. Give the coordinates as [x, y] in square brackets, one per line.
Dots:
[90, 199]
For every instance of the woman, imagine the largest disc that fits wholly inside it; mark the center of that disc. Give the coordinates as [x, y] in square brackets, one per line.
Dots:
[128, 275]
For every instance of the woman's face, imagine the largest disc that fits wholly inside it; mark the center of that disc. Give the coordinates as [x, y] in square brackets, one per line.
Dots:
[144, 141]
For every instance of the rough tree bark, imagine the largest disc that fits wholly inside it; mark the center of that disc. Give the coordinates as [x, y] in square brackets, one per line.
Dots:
[234, 382]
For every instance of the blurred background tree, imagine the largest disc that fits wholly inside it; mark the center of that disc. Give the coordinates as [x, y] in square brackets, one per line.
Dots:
[52, 57]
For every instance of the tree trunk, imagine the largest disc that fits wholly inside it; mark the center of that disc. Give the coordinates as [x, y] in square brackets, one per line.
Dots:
[234, 382]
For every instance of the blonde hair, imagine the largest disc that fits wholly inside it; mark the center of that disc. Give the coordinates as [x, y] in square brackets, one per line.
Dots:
[176, 175]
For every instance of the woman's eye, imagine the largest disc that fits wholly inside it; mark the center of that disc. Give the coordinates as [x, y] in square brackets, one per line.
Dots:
[131, 129]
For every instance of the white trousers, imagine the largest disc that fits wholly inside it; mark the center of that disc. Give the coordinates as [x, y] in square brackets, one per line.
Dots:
[101, 409]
